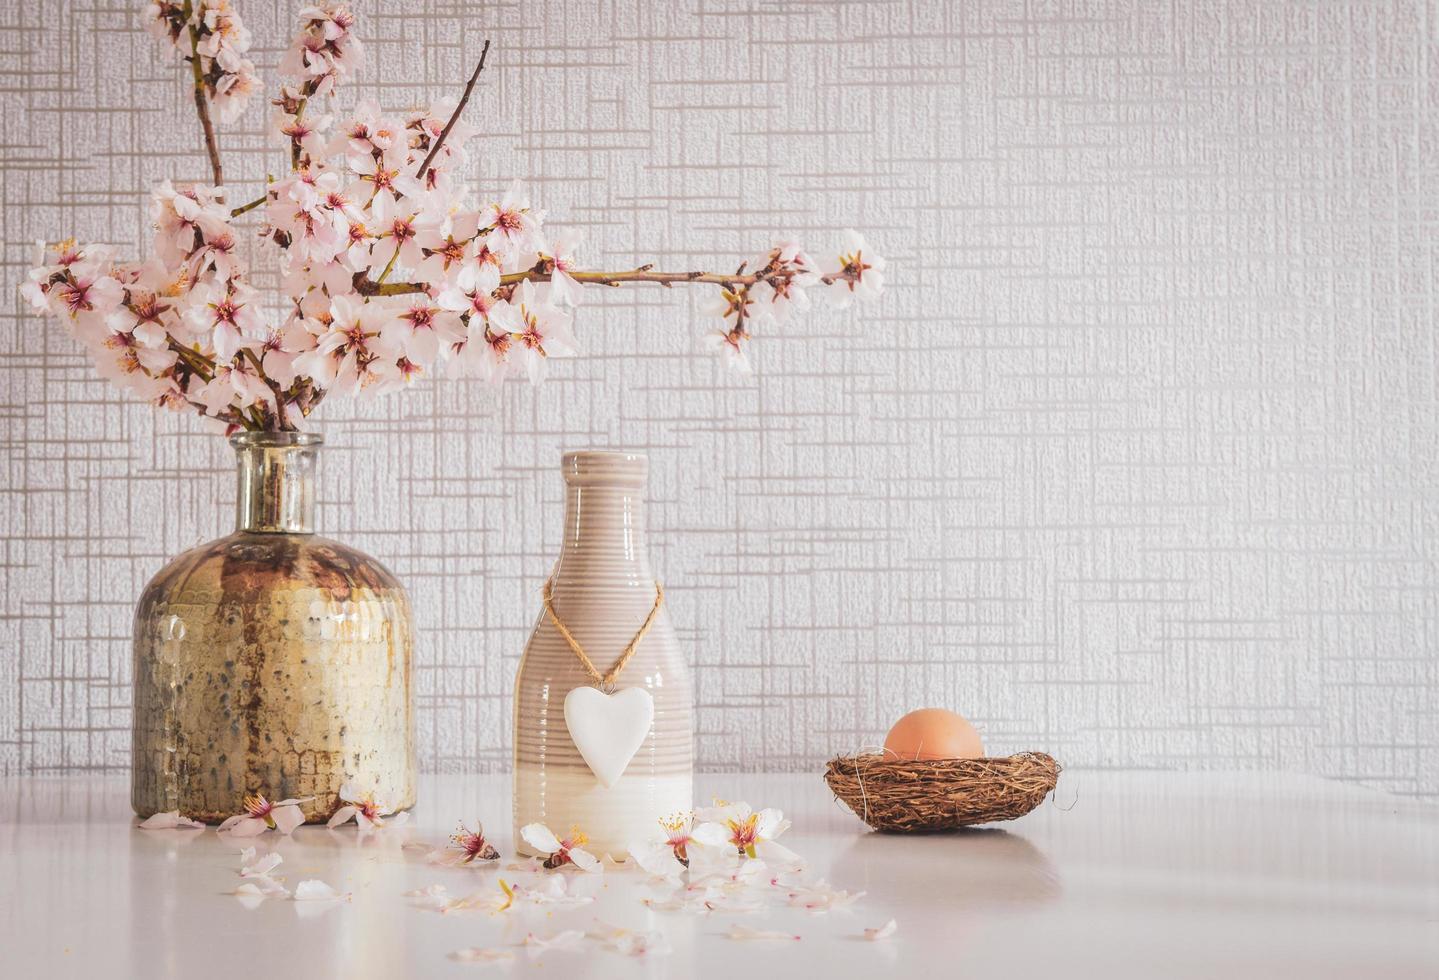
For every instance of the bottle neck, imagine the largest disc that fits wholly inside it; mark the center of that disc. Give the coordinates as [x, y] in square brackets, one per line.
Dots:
[604, 543]
[275, 488]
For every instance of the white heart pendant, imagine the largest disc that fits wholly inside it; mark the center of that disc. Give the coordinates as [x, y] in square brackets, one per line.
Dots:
[608, 729]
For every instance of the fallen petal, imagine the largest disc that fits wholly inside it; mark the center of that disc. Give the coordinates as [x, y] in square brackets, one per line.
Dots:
[287, 817]
[263, 866]
[429, 891]
[246, 826]
[170, 821]
[883, 932]
[738, 931]
[314, 890]
[342, 815]
[585, 861]
[569, 939]
[483, 954]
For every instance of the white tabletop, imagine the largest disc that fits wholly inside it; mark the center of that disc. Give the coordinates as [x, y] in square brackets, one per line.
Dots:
[1122, 875]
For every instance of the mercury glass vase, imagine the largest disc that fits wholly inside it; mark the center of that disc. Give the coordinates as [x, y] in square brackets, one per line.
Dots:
[272, 661]
[604, 589]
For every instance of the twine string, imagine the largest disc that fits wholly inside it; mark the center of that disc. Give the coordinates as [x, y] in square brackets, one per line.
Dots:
[606, 680]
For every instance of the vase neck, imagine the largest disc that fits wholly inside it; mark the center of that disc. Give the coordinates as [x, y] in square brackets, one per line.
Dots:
[604, 542]
[275, 488]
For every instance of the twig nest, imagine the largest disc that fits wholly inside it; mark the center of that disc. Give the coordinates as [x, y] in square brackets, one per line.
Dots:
[943, 794]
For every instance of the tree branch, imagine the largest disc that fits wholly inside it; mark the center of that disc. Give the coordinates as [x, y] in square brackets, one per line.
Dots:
[202, 106]
[455, 116]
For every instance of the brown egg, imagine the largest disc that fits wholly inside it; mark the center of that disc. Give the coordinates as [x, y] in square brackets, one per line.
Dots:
[933, 733]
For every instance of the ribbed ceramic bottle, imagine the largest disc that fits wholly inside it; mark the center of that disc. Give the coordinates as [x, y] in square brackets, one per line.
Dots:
[603, 591]
[271, 661]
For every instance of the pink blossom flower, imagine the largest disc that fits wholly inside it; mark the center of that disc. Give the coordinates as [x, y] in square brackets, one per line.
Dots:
[352, 355]
[87, 292]
[229, 310]
[468, 846]
[387, 184]
[422, 329]
[539, 329]
[514, 230]
[362, 807]
[367, 135]
[261, 815]
[564, 289]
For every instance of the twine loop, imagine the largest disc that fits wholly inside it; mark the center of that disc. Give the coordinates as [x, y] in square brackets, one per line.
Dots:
[606, 680]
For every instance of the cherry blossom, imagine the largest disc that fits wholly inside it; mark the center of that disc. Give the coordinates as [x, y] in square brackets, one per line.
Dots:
[858, 273]
[468, 846]
[667, 854]
[362, 807]
[559, 852]
[538, 329]
[261, 815]
[749, 832]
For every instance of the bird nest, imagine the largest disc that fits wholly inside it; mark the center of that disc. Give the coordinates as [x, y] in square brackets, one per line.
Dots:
[906, 795]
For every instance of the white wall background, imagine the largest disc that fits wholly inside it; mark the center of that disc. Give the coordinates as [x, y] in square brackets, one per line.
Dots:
[1138, 463]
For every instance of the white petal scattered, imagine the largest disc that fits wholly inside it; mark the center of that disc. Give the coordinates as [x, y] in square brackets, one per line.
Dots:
[630, 942]
[740, 931]
[483, 954]
[252, 893]
[883, 932]
[314, 890]
[250, 868]
[170, 821]
[429, 891]
[287, 817]
[569, 939]
[540, 837]
[819, 897]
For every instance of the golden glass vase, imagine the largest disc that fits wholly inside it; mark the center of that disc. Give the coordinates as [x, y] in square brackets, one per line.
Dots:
[272, 661]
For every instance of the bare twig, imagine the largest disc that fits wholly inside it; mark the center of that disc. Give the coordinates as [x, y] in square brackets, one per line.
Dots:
[248, 206]
[455, 116]
[202, 106]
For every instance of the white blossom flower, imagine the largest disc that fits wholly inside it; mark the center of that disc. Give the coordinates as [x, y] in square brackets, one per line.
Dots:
[559, 852]
[565, 290]
[667, 854]
[362, 807]
[858, 273]
[748, 832]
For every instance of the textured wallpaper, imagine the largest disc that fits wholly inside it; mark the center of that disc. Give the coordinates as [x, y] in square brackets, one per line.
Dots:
[1138, 461]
